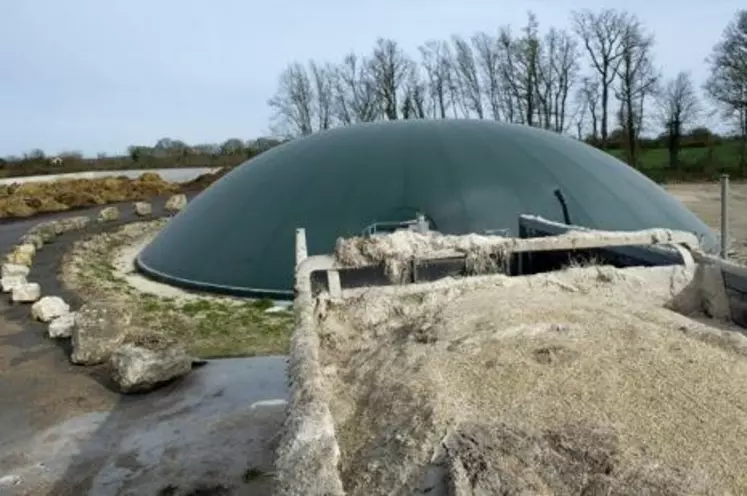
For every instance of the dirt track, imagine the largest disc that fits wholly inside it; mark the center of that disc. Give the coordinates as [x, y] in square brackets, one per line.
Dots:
[64, 431]
[704, 199]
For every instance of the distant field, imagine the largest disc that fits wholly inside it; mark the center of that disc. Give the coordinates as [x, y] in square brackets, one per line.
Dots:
[696, 164]
[702, 161]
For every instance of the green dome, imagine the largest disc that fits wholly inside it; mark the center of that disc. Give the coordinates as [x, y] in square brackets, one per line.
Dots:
[466, 176]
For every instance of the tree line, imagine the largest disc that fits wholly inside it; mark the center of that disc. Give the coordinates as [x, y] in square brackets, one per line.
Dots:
[164, 148]
[166, 153]
[597, 81]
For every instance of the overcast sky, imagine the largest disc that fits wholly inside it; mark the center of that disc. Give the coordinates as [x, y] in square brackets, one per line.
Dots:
[99, 75]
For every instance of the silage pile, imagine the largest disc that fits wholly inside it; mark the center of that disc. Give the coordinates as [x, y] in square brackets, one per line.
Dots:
[27, 199]
[396, 250]
[574, 382]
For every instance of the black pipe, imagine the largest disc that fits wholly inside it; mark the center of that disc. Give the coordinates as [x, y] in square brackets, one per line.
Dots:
[561, 198]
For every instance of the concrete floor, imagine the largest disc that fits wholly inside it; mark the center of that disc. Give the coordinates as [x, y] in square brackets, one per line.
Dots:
[65, 431]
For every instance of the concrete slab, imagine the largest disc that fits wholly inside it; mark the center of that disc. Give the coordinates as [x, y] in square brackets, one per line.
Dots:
[215, 428]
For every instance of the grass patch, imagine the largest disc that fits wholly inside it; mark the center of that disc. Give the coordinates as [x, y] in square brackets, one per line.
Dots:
[214, 328]
[209, 327]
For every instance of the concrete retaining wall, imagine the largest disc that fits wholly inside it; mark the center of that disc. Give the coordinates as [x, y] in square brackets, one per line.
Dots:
[308, 453]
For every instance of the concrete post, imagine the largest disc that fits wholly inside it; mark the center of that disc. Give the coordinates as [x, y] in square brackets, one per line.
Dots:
[301, 251]
[422, 224]
[724, 215]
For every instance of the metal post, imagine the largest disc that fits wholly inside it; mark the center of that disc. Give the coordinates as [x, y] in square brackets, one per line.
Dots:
[301, 251]
[724, 215]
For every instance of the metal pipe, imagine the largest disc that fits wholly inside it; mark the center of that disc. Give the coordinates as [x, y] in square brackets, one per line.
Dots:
[561, 198]
[724, 215]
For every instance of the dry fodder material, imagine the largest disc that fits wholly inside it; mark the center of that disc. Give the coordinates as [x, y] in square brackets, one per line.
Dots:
[396, 250]
[577, 382]
[26, 199]
[484, 254]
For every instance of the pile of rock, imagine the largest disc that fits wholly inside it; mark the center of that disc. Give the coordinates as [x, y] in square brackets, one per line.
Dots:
[138, 361]
[101, 332]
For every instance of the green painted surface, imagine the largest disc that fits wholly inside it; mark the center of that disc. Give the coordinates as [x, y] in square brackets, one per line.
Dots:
[466, 175]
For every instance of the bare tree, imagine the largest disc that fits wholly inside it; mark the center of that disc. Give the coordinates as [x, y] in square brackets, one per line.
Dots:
[727, 84]
[589, 99]
[519, 72]
[413, 104]
[293, 102]
[678, 106]
[389, 67]
[488, 63]
[322, 76]
[556, 72]
[467, 77]
[602, 37]
[508, 71]
[436, 60]
[355, 92]
[527, 60]
[637, 80]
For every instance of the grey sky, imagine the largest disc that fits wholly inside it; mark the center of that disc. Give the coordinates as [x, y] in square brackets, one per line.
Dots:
[99, 75]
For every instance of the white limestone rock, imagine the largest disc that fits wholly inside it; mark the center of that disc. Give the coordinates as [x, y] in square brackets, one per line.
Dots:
[100, 327]
[22, 255]
[8, 283]
[49, 308]
[11, 269]
[108, 214]
[62, 326]
[33, 239]
[138, 369]
[143, 208]
[176, 203]
[26, 293]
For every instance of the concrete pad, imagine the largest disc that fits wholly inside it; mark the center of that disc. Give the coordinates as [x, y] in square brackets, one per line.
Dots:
[215, 427]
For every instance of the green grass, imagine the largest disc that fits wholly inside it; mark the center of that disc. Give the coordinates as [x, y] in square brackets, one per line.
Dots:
[695, 164]
[725, 155]
[213, 328]
[209, 327]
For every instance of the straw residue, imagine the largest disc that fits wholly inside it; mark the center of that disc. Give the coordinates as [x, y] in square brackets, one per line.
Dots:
[576, 382]
[396, 250]
[483, 254]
